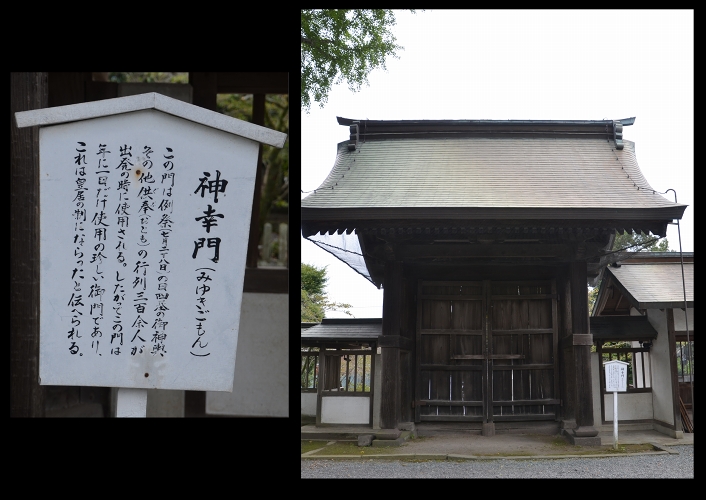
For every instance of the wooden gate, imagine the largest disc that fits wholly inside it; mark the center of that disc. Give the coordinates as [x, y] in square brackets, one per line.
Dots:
[487, 351]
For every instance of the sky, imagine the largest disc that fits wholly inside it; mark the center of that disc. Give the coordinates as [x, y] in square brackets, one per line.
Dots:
[523, 65]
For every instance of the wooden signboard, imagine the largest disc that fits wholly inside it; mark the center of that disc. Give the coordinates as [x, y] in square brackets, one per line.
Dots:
[616, 376]
[145, 208]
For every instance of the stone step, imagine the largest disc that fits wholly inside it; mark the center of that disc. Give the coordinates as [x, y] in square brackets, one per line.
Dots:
[329, 436]
[403, 436]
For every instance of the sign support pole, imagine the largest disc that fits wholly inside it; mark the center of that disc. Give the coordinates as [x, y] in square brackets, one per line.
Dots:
[616, 378]
[131, 403]
[615, 420]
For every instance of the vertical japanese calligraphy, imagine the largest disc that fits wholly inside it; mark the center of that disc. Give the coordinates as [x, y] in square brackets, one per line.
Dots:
[207, 221]
[133, 185]
[100, 236]
[77, 275]
[122, 214]
[144, 224]
[165, 209]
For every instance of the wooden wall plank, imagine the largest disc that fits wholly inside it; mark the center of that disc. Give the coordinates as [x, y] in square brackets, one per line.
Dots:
[455, 360]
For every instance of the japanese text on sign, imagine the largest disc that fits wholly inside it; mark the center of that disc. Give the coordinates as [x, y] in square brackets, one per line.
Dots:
[112, 208]
[616, 374]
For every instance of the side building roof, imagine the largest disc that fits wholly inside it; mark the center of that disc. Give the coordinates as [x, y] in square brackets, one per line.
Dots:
[342, 330]
[646, 280]
[655, 285]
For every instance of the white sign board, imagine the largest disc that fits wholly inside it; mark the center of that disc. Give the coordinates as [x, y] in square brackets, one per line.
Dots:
[616, 376]
[145, 219]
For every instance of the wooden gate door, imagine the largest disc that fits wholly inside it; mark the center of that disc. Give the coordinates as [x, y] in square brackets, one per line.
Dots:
[451, 345]
[487, 351]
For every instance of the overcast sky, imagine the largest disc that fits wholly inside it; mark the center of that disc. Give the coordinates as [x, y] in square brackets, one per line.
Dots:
[523, 65]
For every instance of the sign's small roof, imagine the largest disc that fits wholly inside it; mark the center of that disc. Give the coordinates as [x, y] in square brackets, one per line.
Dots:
[152, 100]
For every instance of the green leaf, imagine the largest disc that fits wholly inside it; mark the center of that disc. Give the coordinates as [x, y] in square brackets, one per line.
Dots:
[342, 45]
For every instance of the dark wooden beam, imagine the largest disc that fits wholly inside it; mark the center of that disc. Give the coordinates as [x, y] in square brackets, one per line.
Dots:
[266, 280]
[451, 250]
[408, 316]
[96, 91]
[253, 83]
[579, 298]
[27, 91]
[391, 322]
[205, 87]
[582, 351]
[258, 118]
[396, 341]
[67, 88]
[567, 380]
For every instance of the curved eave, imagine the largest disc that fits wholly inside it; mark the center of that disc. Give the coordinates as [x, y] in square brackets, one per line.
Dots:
[666, 214]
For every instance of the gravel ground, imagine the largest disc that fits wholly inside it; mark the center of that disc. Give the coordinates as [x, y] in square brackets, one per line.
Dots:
[640, 466]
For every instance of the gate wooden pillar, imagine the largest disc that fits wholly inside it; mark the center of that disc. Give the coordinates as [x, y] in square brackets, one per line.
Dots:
[390, 345]
[27, 91]
[585, 433]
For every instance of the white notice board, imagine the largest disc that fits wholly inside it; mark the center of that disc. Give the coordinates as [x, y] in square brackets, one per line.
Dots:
[144, 221]
[616, 376]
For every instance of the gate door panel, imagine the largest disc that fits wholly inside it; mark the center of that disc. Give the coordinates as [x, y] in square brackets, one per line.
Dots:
[451, 362]
[523, 338]
[487, 351]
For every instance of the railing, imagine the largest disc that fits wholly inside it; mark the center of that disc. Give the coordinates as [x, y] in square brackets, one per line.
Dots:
[686, 422]
[351, 370]
[310, 369]
[683, 360]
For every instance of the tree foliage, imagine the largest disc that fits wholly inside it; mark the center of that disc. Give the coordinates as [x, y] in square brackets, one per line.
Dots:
[146, 77]
[342, 45]
[312, 312]
[313, 279]
[314, 301]
[274, 196]
[642, 242]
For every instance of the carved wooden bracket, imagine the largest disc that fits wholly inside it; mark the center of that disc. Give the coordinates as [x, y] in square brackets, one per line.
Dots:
[355, 136]
[618, 134]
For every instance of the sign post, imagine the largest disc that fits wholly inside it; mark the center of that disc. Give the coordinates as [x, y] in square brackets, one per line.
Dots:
[145, 208]
[616, 376]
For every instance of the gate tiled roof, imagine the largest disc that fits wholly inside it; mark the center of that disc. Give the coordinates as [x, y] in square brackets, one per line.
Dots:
[569, 175]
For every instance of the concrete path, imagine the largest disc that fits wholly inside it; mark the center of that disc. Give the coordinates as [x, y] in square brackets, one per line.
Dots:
[466, 445]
